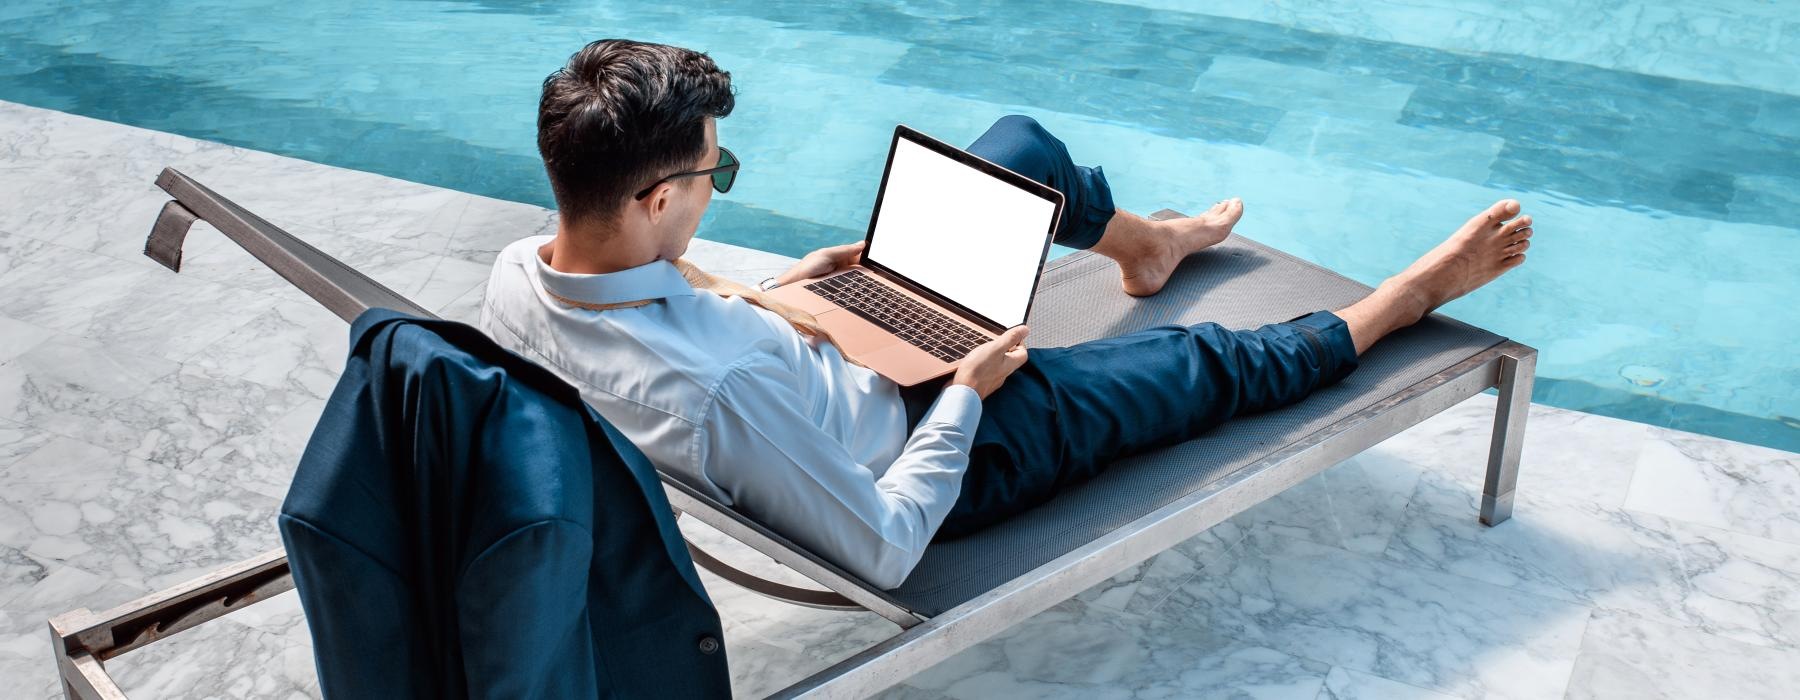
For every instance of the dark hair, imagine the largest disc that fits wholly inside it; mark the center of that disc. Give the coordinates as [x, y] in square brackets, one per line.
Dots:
[622, 114]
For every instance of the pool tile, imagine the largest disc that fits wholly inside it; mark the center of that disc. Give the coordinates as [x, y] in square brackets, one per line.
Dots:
[1443, 152]
[1175, 111]
[1300, 89]
[1780, 114]
[1766, 199]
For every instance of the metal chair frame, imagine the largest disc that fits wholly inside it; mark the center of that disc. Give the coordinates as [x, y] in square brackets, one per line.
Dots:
[82, 640]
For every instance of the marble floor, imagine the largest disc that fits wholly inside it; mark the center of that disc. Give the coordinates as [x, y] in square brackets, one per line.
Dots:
[149, 423]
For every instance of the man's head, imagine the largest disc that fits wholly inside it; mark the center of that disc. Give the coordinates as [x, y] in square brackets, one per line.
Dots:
[622, 115]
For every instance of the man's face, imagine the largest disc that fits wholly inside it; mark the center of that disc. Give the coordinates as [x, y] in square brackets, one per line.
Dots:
[690, 198]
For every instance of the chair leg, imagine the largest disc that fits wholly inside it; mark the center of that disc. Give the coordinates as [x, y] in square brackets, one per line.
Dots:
[1516, 375]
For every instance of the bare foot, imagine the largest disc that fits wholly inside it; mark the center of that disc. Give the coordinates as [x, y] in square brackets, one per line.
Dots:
[1484, 248]
[1162, 245]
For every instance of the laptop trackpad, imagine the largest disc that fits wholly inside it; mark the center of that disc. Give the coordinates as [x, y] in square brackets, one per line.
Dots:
[853, 335]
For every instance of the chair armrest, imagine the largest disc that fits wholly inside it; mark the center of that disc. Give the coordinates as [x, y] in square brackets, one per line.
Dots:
[81, 639]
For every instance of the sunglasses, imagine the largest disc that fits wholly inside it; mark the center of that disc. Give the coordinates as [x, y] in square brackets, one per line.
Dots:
[723, 174]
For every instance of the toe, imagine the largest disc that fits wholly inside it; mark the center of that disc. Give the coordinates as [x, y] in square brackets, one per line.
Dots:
[1517, 224]
[1500, 211]
[1517, 247]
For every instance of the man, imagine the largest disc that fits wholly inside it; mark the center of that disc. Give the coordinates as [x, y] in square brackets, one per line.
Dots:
[743, 398]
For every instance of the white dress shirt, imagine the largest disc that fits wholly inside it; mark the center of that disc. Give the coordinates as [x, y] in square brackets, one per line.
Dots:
[730, 398]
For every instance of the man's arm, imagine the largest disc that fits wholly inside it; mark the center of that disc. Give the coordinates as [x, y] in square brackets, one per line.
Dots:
[758, 445]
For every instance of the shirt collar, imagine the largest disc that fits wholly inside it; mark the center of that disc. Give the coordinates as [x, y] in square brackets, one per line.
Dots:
[657, 279]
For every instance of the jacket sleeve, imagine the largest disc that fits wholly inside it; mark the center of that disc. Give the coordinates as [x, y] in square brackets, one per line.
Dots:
[757, 444]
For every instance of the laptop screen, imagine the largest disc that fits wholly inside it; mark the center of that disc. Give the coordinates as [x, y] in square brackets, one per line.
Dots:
[967, 235]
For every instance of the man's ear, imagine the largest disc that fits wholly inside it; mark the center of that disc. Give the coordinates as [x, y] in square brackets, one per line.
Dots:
[658, 202]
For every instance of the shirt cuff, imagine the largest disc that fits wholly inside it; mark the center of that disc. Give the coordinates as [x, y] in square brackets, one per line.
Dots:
[958, 405]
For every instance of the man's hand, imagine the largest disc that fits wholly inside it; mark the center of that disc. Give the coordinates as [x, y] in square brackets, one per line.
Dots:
[821, 262]
[987, 366]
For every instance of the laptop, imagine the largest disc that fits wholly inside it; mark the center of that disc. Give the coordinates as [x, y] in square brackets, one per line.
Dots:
[953, 254]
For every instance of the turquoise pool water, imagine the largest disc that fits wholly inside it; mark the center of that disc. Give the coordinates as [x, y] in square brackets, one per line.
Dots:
[1656, 146]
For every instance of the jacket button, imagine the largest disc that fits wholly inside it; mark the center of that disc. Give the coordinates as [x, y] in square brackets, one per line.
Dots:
[709, 645]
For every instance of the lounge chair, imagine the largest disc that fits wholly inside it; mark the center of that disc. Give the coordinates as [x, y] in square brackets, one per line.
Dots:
[968, 589]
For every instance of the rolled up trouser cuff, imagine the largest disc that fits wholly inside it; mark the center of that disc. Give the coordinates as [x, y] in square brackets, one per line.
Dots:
[1337, 348]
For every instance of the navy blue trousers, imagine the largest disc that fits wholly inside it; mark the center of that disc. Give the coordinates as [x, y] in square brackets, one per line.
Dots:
[1069, 412]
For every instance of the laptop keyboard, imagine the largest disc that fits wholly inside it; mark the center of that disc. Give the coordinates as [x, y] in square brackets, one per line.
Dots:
[924, 327]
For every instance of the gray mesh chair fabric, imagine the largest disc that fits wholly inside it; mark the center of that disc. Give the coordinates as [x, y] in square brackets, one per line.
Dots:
[1240, 284]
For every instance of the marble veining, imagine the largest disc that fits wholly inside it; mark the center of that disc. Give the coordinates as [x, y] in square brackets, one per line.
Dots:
[150, 424]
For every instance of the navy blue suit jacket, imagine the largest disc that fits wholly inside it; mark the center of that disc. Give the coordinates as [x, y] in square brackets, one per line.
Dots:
[463, 525]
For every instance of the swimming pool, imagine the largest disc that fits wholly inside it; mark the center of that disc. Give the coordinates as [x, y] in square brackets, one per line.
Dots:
[1656, 147]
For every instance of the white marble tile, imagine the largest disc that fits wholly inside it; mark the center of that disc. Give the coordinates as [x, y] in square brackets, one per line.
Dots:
[18, 573]
[135, 522]
[1595, 557]
[1082, 652]
[295, 346]
[67, 588]
[17, 337]
[1143, 588]
[466, 308]
[67, 385]
[1077, 651]
[1739, 586]
[26, 668]
[18, 440]
[222, 657]
[1623, 656]
[429, 280]
[127, 306]
[16, 252]
[447, 223]
[264, 462]
[1569, 458]
[62, 459]
[191, 416]
[1345, 684]
[1733, 486]
[1416, 626]
[1350, 505]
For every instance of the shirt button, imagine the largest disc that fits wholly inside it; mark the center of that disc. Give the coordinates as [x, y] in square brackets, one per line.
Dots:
[709, 645]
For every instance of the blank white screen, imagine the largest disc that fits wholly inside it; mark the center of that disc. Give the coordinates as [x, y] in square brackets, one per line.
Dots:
[961, 233]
